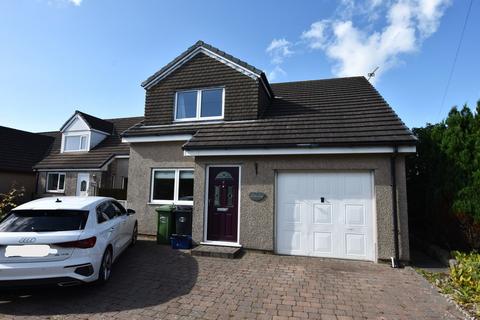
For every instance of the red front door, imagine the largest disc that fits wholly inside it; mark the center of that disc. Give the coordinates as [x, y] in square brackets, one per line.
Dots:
[222, 204]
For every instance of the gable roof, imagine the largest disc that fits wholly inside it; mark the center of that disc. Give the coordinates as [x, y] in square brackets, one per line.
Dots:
[93, 122]
[21, 150]
[316, 113]
[202, 47]
[97, 157]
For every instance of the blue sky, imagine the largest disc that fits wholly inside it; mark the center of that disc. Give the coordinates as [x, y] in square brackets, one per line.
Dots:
[59, 55]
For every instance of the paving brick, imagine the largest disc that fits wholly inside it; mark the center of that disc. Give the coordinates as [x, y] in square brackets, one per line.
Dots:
[154, 282]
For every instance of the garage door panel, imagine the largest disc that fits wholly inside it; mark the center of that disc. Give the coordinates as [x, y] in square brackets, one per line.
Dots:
[291, 242]
[322, 214]
[355, 214]
[355, 244]
[292, 213]
[322, 243]
[340, 226]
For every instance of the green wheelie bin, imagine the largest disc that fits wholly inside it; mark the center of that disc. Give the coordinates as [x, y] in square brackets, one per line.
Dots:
[165, 226]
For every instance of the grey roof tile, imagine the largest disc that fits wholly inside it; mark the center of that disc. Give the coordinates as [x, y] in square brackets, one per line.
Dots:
[331, 112]
[96, 157]
[21, 150]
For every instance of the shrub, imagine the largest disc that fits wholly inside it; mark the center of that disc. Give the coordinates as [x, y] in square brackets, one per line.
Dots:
[9, 200]
[463, 281]
[465, 278]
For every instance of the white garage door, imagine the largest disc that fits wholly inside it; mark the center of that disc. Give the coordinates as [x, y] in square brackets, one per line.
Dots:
[325, 214]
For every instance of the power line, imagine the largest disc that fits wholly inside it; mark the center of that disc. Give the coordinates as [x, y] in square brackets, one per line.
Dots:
[456, 56]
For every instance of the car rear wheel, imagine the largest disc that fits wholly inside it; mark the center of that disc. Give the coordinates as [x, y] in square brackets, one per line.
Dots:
[106, 266]
[134, 235]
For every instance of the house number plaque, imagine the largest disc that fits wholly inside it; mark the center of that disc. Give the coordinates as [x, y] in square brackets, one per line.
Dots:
[257, 196]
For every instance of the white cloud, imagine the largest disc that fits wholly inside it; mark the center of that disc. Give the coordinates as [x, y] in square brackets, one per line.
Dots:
[316, 36]
[276, 73]
[279, 49]
[357, 51]
[62, 3]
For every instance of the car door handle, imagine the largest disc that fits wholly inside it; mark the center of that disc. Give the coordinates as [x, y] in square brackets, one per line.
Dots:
[112, 229]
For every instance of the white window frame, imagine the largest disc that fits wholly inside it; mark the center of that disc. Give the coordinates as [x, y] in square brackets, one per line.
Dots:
[58, 190]
[84, 136]
[198, 111]
[176, 186]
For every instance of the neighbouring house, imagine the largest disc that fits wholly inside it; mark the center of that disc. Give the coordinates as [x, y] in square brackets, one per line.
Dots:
[19, 152]
[313, 168]
[87, 158]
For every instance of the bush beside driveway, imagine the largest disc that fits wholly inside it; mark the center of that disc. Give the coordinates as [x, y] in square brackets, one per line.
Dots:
[155, 282]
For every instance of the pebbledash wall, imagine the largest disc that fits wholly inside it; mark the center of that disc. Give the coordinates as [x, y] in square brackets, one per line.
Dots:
[143, 158]
[98, 179]
[257, 218]
[70, 183]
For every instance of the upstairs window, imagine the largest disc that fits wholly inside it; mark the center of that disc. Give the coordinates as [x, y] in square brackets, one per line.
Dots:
[75, 143]
[204, 104]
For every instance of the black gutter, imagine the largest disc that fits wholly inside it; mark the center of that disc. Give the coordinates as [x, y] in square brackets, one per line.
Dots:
[396, 258]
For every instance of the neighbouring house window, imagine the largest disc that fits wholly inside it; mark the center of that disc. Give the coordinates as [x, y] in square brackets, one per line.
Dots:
[75, 143]
[113, 181]
[172, 186]
[55, 182]
[205, 104]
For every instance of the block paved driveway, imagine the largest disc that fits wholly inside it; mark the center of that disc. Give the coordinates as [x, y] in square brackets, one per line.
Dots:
[155, 282]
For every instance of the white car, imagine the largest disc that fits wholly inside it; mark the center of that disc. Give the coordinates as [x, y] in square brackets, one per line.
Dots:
[64, 241]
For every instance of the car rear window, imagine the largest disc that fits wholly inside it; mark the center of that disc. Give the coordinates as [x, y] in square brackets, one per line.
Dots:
[44, 220]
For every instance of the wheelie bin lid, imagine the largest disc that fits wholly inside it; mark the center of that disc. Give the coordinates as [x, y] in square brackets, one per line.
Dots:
[183, 208]
[165, 208]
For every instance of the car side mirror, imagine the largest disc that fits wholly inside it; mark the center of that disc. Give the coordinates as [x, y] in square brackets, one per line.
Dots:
[130, 211]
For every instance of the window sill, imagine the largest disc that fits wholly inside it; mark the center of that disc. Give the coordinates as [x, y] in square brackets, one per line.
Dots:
[196, 120]
[55, 192]
[180, 203]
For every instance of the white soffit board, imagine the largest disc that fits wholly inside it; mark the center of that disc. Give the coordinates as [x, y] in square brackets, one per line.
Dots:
[287, 151]
[175, 137]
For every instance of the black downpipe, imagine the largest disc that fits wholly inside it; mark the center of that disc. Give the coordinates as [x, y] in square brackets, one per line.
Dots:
[35, 192]
[396, 258]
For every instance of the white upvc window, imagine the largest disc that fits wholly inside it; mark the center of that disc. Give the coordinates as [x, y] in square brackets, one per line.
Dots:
[55, 182]
[172, 186]
[199, 104]
[75, 143]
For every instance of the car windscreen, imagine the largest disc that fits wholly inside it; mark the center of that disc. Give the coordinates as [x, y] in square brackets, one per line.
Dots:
[44, 220]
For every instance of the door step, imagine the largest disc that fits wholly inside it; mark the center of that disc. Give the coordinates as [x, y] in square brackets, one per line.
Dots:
[217, 251]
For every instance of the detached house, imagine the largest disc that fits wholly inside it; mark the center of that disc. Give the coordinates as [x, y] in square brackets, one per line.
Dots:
[312, 168]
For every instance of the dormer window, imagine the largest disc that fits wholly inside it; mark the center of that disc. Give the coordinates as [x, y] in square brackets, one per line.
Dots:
[202, 104]
[75, 143]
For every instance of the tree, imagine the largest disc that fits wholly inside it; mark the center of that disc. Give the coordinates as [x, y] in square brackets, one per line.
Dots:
[444, 177]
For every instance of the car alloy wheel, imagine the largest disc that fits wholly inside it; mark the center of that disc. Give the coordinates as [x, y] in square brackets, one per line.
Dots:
[106, 267]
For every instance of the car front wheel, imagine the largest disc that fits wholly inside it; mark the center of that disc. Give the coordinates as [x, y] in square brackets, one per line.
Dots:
[105, 267]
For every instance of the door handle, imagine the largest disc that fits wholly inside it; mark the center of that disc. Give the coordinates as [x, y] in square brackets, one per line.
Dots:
[112, 229]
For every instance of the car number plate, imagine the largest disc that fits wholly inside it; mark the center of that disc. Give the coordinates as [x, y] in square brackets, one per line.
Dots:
[30, 251]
